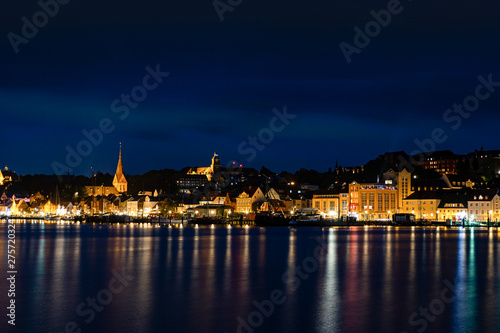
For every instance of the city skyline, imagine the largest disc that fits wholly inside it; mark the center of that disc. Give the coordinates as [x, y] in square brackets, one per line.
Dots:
[405, 160]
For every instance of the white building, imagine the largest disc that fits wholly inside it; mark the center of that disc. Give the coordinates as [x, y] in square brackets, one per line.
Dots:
[484, 205]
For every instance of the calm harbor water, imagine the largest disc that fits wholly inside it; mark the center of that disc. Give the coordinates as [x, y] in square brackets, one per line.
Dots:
[107, 278]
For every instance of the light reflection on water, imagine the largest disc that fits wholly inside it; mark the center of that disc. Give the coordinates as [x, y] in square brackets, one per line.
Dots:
[204, 279]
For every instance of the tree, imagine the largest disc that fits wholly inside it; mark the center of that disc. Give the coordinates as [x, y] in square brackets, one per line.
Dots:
[167, 205]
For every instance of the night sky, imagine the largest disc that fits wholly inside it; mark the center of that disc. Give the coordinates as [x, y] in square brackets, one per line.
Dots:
[225, 78]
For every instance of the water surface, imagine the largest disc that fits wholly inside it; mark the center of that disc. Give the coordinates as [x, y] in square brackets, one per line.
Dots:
[253, 279]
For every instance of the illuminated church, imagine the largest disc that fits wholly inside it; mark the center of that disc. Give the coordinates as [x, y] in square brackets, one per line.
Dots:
[212, 172]
[120, 184]
[119, 181]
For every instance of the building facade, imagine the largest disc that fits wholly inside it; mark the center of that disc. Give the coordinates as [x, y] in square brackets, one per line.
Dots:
[484, 206]
[372, 201]
[248, 197]
[424, 204]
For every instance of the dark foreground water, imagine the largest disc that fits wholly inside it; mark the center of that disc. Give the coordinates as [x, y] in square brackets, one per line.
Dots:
[100, 278]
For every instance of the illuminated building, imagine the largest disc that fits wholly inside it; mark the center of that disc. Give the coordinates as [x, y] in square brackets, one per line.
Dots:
[404, 185]
[143, 205]
[120, 184]
[101, 190]
[453, 205]
[331, 202]
[443, 161]
[424, 204]
[212, 172]
[7, 176]
[484, 205]
[189, 182]
[119, 181]
[372, 201]
[248, 197]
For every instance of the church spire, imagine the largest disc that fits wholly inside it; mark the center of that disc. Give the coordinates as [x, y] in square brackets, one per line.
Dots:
[119, 168]
[119, 181]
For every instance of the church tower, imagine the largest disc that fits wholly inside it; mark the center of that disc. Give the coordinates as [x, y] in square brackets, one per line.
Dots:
[119, 182]
[215, 163]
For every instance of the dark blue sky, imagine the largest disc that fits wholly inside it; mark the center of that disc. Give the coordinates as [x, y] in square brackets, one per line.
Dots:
[227, 77]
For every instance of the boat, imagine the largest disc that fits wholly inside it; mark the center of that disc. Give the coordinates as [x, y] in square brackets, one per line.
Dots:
[403, 219]
[52, 218]
[314, 220]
